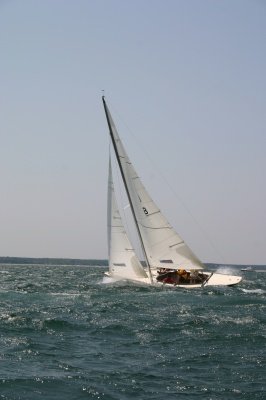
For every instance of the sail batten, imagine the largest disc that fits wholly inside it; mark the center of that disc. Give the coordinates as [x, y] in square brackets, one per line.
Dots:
[152, 227]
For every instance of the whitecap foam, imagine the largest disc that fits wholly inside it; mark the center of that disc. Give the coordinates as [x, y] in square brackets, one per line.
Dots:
[65, 294]
[226, 270]
[258, 291]
[108, 279]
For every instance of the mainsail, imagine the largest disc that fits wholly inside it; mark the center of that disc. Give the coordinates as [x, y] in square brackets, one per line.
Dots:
[162, 245]
[122, 258]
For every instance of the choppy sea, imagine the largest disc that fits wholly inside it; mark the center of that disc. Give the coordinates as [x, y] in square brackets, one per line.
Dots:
[65, 335]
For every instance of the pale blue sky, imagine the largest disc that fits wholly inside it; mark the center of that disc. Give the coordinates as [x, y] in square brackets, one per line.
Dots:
[185, 81]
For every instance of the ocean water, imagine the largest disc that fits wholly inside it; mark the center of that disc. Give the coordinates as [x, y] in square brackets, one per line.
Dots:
[66, 336]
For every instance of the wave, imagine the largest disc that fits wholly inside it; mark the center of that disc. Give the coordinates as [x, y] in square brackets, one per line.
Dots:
[249, 291]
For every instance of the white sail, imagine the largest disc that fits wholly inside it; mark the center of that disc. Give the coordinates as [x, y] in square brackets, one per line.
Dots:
[163, 246]
[123, 262]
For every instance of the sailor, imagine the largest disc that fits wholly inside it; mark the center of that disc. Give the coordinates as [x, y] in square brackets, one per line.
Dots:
[176, 278]
[184, 275]
[194, 276]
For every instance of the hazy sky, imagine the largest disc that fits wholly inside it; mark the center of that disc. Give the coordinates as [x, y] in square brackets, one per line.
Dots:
[185, 81]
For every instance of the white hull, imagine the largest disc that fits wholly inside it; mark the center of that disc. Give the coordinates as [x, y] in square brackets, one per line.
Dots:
[223, 280]
[213, 279]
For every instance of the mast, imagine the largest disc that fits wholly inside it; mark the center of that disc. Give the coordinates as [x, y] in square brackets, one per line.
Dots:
[126, 187]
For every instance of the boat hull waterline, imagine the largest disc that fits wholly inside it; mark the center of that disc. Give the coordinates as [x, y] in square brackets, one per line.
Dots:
[213, 279]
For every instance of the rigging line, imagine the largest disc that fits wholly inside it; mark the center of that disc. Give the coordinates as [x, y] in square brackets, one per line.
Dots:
[176, 244]
[180, 200]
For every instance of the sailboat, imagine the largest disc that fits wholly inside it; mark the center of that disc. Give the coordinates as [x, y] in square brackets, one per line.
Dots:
[168, 259]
